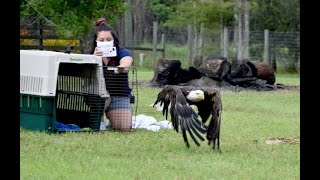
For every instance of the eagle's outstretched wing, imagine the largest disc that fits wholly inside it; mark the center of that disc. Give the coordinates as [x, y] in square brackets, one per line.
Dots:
[182, 114]
[213, 133]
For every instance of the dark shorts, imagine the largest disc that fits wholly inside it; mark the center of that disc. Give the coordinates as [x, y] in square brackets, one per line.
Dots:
[119, 102]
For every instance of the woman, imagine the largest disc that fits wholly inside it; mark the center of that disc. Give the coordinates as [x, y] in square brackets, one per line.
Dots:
[119, 109]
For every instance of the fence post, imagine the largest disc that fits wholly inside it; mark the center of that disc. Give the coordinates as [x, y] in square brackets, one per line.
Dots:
[141, 58]
[163, 45]
[81, 45]
[240, 39]
[190, 44]
[200, 52]
[40, 34]
[266, 47]
[298, 56]
[154, 45]
[128, 26]
[221, 48]
[246, 33]
[234, 62]
[225, 42]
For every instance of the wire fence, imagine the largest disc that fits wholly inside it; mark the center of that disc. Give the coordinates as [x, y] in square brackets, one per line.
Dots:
[283, 52]
[284, 49]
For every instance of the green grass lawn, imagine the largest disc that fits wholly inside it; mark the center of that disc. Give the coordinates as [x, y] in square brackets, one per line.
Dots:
[249, 119]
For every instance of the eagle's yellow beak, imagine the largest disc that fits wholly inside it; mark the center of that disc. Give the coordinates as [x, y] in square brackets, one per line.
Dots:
[201, 96]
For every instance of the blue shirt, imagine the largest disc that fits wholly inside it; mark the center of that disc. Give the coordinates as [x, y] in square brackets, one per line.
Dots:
[121, 52]
[117, 84]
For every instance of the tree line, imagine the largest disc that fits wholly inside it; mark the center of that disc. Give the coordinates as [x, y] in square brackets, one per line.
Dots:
[76, 16]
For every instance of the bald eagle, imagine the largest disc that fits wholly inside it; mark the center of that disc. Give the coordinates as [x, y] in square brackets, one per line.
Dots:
[178, 100]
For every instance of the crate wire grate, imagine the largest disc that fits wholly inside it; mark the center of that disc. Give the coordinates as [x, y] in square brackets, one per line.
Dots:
[78, 101]
[123, 85]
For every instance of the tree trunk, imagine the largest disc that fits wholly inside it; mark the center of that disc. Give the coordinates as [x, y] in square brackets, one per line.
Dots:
[199, 48]
[128, 28]
[234, 63]
[141, 22]
[240, 33]
[246, 31]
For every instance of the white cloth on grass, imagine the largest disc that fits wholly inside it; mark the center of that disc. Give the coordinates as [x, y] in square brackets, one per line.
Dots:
[144, 122]
[150, 123]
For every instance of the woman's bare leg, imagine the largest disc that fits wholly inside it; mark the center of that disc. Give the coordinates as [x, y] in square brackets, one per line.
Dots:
[121, 119]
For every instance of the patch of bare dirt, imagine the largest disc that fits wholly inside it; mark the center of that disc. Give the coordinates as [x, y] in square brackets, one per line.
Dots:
[290, 140]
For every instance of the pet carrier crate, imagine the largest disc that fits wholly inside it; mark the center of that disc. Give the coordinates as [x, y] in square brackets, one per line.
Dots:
[57, 87]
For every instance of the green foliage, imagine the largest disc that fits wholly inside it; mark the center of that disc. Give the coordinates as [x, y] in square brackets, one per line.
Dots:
[160, 9]
[273, 15]
[195, 12]
[216, 13]
[281, 15]
[75, 16]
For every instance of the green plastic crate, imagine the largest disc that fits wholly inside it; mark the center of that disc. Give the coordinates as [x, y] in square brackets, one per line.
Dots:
[40, 113]
[37, 112]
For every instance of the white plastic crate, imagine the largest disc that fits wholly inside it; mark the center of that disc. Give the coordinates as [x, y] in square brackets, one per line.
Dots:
[39, 71]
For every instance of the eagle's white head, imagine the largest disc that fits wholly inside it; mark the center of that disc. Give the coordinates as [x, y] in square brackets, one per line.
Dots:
[195, 96]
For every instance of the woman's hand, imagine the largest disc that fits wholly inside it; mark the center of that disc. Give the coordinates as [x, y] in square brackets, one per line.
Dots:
[121, 69]
[125, 64]
[97, 52]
